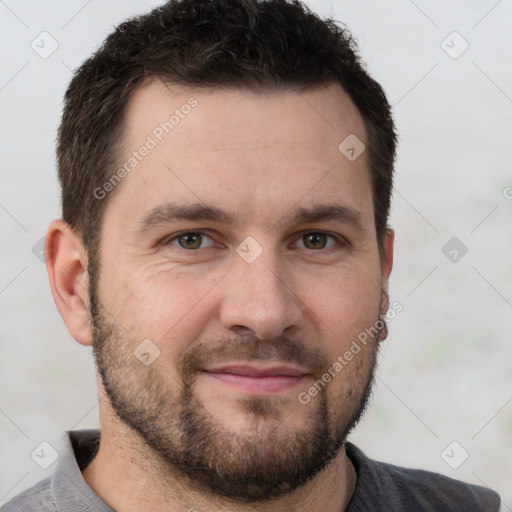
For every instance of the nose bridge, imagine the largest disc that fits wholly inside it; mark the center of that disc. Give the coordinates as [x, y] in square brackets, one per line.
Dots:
[259, 294]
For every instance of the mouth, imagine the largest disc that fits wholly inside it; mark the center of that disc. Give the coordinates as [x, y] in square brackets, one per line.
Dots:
[257, 379]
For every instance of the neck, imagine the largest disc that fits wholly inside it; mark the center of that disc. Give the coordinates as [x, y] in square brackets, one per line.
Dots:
[128, 477]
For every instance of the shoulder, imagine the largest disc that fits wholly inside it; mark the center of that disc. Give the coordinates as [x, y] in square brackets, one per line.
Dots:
[37, 498]
[397, 488]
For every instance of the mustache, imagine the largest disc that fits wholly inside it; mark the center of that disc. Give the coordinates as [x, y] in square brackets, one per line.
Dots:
[279, 350]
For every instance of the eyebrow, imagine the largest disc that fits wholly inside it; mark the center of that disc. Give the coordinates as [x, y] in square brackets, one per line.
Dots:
[170, 212]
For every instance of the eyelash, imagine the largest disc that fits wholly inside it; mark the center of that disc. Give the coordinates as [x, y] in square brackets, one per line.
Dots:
[339, 241]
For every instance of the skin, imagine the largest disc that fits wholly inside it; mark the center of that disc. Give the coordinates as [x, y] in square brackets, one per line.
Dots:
[258, 156]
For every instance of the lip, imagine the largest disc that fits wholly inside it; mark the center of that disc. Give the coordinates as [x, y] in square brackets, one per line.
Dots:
[259, 379]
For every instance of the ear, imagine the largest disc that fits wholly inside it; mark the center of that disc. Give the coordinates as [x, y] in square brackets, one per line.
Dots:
[66, 263]
[386, 266]
[387, 262]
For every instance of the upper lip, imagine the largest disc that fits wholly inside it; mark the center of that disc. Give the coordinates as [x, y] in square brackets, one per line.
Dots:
[252, 370]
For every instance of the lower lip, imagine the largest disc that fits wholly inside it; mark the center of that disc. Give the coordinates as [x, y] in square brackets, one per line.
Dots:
[270, 384]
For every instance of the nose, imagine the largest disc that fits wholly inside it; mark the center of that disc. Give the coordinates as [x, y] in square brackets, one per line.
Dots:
[260, 296]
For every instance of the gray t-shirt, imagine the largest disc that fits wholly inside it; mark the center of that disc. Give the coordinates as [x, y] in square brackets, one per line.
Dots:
[380, 487]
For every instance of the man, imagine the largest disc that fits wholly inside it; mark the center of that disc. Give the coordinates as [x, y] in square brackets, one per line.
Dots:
[226, 171]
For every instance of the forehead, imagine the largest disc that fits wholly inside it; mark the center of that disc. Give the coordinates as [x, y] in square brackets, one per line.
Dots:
[258, 153]
[231, 116]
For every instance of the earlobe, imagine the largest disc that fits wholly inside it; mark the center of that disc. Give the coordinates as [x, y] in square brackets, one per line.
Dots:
[66, 263]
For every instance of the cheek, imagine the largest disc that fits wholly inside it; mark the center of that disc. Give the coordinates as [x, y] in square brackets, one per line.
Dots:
[345, 302]
[162, 304]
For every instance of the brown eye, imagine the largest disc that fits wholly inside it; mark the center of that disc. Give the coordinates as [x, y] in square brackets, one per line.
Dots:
[316, 240]
[191, 240]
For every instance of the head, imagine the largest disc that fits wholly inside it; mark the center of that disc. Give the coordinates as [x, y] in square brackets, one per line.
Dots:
[214, 225]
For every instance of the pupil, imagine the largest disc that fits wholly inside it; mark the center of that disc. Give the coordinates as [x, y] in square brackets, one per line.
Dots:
[189, 240]
[315, 239]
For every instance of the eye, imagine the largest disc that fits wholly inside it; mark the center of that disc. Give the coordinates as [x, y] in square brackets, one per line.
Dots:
[318, 240]
[190, 240]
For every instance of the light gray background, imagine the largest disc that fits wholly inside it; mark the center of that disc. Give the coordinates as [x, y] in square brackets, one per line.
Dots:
[446, 369]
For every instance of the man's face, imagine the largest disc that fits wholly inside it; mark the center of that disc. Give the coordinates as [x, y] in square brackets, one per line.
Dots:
[247, 315]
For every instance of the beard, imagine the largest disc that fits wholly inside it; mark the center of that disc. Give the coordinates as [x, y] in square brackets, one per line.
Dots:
[264, 459]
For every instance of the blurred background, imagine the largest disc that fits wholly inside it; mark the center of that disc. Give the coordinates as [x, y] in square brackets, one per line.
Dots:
[443, 394]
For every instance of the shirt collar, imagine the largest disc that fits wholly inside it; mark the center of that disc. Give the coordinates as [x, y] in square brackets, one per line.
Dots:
[69, 489]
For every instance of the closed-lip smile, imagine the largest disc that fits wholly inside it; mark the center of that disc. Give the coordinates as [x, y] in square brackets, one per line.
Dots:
[257, 378]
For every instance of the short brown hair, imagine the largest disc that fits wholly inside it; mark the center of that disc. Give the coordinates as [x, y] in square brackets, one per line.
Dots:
[246, 44]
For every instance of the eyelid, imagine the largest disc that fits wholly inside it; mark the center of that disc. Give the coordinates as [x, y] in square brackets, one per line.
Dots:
[340, 241]
[167, 240]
